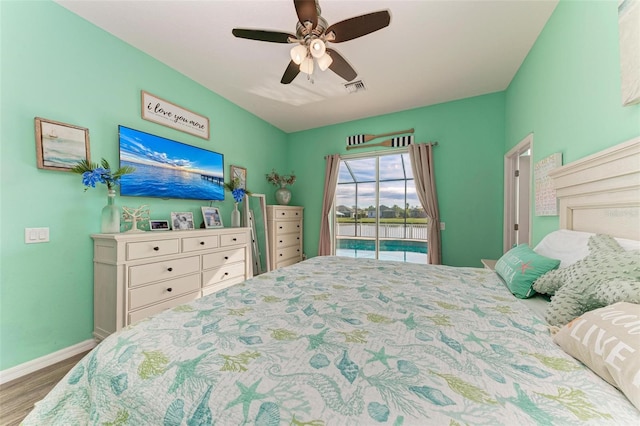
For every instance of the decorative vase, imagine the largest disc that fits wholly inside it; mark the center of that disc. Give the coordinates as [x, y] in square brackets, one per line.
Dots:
[110, 215]
[235, 217]
[283, 195]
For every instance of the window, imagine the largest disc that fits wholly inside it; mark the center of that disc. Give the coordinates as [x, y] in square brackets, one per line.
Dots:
[377, 212]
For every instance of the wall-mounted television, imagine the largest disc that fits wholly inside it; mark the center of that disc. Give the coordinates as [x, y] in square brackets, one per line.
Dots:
[169, 169]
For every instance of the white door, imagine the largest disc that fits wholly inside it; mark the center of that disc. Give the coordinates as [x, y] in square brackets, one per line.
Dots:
[517, 194]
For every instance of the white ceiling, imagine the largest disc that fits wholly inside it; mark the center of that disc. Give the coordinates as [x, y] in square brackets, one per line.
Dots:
[432, 51]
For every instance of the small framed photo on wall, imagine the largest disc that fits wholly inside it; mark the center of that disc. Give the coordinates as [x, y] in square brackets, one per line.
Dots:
[212, 217]
[181, 221]
[60, 146]
[241, 174]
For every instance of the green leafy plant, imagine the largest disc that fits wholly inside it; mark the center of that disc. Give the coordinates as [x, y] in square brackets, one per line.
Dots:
[93, 173]
[277, 179]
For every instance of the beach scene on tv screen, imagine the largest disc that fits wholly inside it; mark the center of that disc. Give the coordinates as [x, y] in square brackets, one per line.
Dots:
[169, 169]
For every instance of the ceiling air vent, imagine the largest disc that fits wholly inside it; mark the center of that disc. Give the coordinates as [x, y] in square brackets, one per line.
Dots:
[355, 86]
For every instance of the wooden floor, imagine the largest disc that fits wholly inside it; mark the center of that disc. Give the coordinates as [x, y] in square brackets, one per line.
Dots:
[18, 396]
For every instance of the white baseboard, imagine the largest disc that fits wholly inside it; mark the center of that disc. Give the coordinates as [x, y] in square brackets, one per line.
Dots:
[34, 365]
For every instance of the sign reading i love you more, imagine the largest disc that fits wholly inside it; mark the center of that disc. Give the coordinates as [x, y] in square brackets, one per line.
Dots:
[171, 115]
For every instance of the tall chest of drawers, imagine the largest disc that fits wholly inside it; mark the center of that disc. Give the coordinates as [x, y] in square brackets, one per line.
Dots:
[285, 235]
[140, 274]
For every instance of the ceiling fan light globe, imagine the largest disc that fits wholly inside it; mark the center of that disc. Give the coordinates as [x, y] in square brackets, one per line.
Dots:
[298, 53]
[324, 62]
[307, 66]
[317, 48]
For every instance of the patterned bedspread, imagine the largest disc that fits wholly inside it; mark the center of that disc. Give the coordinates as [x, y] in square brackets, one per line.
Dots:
[338, 341]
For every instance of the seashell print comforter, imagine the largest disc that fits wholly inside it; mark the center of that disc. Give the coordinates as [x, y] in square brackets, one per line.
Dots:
[339, 341]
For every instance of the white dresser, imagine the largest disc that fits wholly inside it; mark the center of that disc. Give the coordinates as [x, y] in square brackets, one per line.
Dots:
[141, 274]
[285, 235]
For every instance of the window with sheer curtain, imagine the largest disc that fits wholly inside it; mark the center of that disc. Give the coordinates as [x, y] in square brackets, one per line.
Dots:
[377, 213]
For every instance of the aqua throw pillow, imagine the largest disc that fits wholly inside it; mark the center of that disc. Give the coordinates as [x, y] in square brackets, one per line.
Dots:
[521, 266]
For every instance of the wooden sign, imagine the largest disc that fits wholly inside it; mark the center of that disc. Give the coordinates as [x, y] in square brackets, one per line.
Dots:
[168, 114]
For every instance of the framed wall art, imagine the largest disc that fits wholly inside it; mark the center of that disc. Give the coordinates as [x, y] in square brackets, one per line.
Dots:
[212, 217]
[60, 146]
[545, 192]
[171, 115]
[241, 174]
[181, 221]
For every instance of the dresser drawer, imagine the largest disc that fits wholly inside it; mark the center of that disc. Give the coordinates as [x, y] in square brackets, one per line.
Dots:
[287, 240]
[287, 227]
[286, 214]
[164, 270]
[215, 276]
[199, 243]
[154, 309]
[159, 292]
[221, 258]
[283, 263]
[288, 253]
[146, 249]
[233, 239]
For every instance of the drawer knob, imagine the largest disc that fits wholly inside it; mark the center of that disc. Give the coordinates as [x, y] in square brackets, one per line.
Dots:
[280, 240]
[282, 213]
[234, 239]
[156, 248]
[169, 289]
[280, 227]
[201, 243]
[226, 273]
[280, 254]
[169, 269]
[296, 213]
[226, 258]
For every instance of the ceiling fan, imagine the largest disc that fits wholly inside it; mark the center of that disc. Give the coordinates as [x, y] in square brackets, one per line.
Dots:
[311, 38]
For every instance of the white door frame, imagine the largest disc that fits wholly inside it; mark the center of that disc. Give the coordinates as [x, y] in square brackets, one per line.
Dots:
[510, 200]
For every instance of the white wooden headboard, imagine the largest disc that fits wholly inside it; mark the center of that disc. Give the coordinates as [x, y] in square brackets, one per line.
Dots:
[601, 193]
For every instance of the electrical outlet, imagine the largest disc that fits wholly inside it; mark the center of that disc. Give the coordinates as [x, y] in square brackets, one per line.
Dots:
[442, 226]
[36, 235]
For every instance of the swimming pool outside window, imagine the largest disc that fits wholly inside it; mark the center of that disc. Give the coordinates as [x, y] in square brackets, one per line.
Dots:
[377, 212]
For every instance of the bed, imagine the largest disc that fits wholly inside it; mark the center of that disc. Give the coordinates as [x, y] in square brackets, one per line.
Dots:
[335, 340]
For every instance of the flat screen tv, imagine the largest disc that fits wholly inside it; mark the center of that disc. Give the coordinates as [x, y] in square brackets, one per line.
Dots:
[169, 169]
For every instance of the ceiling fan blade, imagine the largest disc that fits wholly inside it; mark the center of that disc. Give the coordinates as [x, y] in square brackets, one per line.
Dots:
[306, 10]
[340, 66]
[261, 35]
[359, 26]
[290, 73]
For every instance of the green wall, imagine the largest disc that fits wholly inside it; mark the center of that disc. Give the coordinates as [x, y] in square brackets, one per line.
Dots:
[468, 165]
[58, 66]
[567, 91]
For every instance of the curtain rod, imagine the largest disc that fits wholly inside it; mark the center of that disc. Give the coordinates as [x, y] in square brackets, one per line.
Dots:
[386, 151]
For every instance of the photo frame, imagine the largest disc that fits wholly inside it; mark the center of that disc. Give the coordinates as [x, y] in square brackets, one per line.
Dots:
[159, 225]
[240, 173]
[60, 146]
[212, 217]
[181, 221]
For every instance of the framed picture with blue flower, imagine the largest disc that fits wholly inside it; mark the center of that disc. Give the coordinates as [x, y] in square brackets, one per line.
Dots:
[239, 173]
[60, 146]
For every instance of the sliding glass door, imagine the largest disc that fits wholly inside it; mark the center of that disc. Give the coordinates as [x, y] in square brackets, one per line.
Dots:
[377, 212]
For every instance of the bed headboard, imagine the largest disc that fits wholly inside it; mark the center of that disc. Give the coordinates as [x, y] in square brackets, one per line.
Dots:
[601, 193]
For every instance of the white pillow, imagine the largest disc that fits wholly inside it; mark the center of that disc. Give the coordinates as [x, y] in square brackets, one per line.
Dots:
[570, 246]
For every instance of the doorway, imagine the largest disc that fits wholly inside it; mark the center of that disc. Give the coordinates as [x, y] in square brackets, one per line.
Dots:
[517, 194]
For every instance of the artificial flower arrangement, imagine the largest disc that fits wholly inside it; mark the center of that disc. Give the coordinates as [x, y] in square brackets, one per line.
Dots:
[236, 190]
[93, 173]
[280, 180]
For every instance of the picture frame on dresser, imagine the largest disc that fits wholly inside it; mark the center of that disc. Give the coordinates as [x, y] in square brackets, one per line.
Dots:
[212, 217]
[159, 225]
[181, 221]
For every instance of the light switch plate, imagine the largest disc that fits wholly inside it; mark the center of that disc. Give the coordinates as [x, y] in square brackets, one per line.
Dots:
[36, 235]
